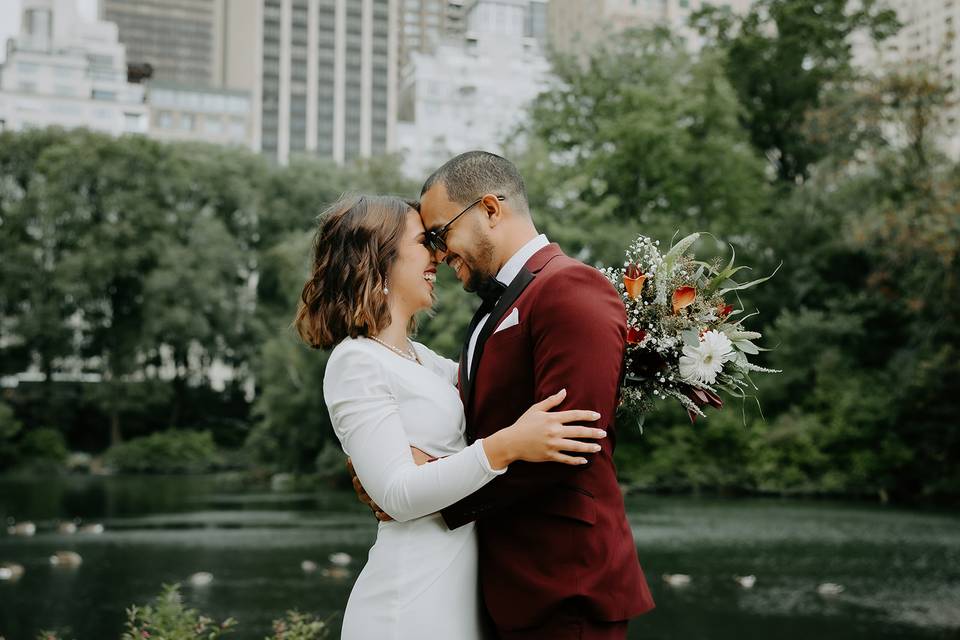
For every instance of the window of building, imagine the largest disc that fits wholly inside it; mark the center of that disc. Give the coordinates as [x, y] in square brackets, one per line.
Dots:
[100, 61]
[65, 109]
[213, 126]
[238, 131]
[100, 94]
[165, 120]
[186, 121]
[134, 122]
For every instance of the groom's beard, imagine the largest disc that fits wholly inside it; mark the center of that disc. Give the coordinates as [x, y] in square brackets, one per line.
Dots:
[479, 265]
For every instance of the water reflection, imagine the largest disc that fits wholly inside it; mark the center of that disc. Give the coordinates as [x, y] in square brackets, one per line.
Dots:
[900, 569]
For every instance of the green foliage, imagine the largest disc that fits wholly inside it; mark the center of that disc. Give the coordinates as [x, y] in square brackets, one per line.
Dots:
[645, 136]
[10, 428]
[44, 445]
[300, 626]
[862, 317]
[169, 619]
[138, 258]
[292, 421]
[174, 451]
[784, 58]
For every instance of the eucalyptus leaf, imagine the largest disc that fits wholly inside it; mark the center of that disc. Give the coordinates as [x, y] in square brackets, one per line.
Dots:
[691, 337]
[746, 346]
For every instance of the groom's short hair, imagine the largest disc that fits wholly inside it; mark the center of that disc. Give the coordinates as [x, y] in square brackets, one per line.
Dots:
[473, 174]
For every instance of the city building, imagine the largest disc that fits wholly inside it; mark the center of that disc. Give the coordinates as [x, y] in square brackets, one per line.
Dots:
[60, 70]
[928, 38]
[471, 93]
[577, 27]
[196, 43]
[536, 21]
[424, 24]
[198, 59]
[326, 74]
[181, 40]
[184, 112]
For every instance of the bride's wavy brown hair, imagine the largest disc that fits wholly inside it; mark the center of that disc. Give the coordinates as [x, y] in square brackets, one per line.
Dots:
[353, 248]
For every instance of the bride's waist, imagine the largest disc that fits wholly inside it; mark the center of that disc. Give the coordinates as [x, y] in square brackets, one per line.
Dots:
[433, 522]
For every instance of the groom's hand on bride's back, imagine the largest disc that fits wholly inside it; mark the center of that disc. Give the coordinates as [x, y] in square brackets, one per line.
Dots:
[363, 496]
[419, 457]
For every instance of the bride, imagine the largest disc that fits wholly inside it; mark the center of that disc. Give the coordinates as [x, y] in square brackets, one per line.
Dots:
[389, 400]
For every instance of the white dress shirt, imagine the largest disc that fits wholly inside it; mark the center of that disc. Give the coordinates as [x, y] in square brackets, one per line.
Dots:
[506, 275]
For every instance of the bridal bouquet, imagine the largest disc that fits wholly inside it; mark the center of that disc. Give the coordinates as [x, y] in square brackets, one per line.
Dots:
[683, 340]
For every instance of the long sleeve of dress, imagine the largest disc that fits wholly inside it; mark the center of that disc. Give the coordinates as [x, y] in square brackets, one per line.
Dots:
[366, 419]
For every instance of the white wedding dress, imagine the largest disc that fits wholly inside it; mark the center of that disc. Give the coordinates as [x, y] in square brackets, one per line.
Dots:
[420, 580]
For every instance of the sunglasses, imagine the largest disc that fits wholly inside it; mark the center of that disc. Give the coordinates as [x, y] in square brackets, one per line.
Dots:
[434, 239]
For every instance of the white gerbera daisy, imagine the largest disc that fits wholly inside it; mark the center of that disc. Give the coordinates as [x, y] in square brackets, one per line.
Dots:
[703, 362]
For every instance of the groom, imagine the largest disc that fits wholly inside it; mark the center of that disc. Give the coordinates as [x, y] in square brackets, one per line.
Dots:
[557, 558]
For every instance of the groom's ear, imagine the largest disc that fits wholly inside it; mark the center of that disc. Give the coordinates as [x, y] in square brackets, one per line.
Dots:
[494, 210]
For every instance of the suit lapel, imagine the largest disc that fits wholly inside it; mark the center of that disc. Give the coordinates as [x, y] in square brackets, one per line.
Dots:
[534, 265]
[509, 296]
[462, 376]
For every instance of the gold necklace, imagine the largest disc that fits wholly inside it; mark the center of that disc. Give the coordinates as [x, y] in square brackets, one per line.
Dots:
[409, 355]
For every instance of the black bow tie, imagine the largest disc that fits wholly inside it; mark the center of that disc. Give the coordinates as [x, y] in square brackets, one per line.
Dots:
[490, 291]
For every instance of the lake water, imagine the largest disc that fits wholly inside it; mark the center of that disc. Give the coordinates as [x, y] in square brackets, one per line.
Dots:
[900, 568]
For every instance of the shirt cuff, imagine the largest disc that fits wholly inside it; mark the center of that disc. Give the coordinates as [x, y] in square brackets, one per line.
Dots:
[484, 462]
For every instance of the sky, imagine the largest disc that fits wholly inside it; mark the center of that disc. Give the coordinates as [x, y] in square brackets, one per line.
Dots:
[10, 19]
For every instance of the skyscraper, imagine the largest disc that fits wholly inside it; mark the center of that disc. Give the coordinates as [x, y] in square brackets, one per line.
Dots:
[63, 71]
[928, 38]
[424, 24]
[577, 27]
[327, 77]
[181, 40]
[472, 93]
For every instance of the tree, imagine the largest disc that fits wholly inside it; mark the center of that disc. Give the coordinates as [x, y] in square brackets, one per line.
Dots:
[115, 194]
[37, 299]
[783, 57]
[645, 138]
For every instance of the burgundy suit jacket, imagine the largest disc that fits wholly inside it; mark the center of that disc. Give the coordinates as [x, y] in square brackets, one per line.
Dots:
[551, 534]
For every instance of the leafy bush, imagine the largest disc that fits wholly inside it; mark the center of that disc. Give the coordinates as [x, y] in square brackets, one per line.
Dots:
[174, 451]
[300, 626]
[9, 429]
[169, 619]
[44, 445]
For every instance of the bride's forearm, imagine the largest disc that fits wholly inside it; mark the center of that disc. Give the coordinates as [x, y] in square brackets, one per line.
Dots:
[499, 449]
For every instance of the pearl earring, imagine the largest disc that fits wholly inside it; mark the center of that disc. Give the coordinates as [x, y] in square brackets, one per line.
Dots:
[385, 289]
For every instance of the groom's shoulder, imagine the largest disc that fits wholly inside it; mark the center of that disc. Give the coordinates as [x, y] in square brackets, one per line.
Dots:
[563, 268]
